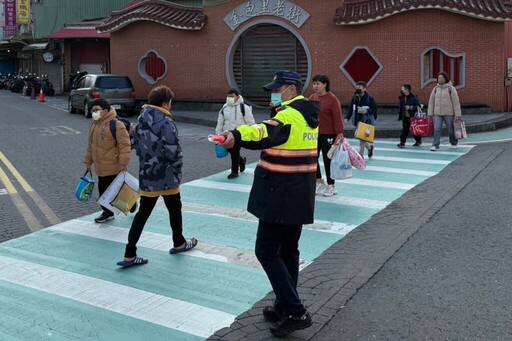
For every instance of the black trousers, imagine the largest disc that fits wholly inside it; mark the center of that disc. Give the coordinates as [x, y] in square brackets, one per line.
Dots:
[103, 183]
[406, 126]
[324, 144]
[277, 249]
[235, 159]
[147, 204]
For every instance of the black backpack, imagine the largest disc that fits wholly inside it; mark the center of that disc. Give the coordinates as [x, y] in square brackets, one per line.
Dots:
[113, 128]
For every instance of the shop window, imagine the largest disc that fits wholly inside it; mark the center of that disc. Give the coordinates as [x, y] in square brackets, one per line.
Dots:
[361, 65]
[435, 60]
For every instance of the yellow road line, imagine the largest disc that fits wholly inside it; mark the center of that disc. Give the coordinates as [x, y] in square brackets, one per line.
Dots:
[47, 211]
[29, 217]
[16, 174]
[8, 184]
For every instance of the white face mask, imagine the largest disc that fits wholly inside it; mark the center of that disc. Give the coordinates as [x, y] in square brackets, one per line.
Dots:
[230, 100]
[96, 115]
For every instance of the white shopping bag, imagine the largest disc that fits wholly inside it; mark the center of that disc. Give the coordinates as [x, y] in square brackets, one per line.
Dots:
[109, 196]
[341, 168]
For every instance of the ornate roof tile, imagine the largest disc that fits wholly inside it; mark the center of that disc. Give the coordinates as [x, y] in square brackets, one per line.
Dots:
[159, 11]
[355, 12]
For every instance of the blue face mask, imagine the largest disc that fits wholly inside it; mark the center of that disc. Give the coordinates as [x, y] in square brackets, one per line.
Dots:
[276, 99]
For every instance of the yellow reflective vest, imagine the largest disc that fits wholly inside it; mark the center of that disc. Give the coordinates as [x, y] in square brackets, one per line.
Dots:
[283, 190]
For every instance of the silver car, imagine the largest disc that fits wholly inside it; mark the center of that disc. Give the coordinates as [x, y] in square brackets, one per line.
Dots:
[117, 89]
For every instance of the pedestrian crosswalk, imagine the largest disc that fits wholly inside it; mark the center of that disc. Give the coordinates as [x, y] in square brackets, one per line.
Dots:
[63, 283]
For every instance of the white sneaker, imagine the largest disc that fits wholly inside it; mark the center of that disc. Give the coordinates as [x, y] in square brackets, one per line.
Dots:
[434, 148]
[320, 186]
[453, 146]
[330, 191]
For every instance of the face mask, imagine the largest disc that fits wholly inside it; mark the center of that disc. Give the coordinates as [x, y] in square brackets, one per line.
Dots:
[230, 100]
[96, 115]
[277, 98]
[358, 92]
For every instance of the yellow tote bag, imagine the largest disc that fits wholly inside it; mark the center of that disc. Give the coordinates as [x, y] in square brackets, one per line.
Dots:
[365, 132]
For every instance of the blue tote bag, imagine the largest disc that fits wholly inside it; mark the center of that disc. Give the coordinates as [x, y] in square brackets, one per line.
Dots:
[85, 187]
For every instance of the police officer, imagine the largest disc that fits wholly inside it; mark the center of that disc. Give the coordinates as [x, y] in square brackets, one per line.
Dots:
[283, 193]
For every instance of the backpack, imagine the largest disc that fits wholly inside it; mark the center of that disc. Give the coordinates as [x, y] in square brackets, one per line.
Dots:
[113, 128]
[242, 109]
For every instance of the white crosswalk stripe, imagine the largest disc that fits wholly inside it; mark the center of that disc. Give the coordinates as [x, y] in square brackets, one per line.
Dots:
[235, 213]
[400, 171]
[156, 241]
[339, 199]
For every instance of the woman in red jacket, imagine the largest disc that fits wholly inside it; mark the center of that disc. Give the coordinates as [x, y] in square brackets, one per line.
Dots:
[330, 130]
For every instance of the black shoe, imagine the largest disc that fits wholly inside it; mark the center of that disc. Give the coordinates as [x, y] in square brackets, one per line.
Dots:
[105, 216]
[233, 175]
[271, 314]
[417, 144]
[243, 160]
[370, 152]
[399, 146]
[289, 324]
[134, 208]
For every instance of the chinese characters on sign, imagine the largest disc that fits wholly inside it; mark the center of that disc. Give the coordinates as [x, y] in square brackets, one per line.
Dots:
[23, 11]
[10, 17]
[279, 8]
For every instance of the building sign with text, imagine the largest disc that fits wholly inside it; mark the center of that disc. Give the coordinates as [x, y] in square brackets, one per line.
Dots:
[10, 17]
[254, 8]
[23, 11]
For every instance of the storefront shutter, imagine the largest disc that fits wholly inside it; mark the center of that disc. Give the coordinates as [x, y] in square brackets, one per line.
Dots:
[262, 51]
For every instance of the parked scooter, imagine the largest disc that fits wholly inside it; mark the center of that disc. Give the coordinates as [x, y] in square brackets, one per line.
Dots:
[18, 84]
[47, 86]
[7, 81]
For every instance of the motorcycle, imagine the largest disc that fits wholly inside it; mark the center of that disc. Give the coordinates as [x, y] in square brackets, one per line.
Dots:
[47, 86]
[18, 84]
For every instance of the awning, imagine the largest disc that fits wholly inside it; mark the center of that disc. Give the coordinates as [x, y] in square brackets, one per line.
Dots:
[77, 32]
[12, 44]
[38, 46]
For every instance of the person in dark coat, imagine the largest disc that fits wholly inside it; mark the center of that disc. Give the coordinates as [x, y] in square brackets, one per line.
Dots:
[408, 105]
[362, 108]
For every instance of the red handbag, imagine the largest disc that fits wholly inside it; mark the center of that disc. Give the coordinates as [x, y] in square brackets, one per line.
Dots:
[421, 124]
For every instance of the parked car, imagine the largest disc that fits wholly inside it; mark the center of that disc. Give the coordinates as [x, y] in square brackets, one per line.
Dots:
[117, 89]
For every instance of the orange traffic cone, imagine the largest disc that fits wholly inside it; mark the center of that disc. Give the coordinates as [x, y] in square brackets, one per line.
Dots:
[41, 95]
